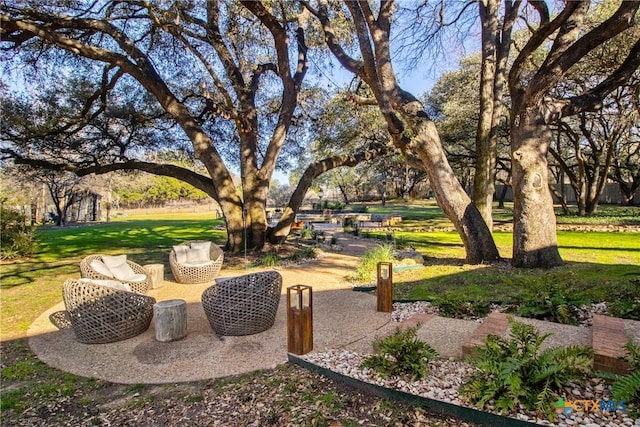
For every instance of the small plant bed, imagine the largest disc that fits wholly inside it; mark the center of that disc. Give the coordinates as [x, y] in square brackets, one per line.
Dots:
[273, 256]
[508, 376]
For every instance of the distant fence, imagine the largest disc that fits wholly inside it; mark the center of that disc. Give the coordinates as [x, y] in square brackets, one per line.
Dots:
[611, 194]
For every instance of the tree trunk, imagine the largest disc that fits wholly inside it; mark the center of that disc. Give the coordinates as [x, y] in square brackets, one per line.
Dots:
[450, 195]
[534, 221]
[486, 146]
[503, 195]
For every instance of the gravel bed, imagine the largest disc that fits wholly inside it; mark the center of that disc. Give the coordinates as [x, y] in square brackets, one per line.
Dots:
[446, 376]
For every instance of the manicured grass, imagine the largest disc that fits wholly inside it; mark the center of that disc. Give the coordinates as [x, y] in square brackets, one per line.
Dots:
[599, 265]
[29, 287]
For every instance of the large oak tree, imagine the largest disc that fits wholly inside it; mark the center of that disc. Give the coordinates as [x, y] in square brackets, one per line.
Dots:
[229, 74]
[556, 44]
[409, 124]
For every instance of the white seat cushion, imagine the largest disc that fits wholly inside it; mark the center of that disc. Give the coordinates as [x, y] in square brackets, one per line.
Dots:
[119, 267]
[100, 268]
[114, 284]
[137, 278]
[181, 253]
[198, 264]
[198, 253]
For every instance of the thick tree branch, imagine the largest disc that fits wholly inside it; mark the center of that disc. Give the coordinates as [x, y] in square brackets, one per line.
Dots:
[538, 37]
[201, 182]
[350, 64]
[214, 37]
[567, 51]
[281, 230]
[592, 99]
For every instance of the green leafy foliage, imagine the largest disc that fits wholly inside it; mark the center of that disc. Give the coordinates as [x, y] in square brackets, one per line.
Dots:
[18, 237]
[627, 387]
[306, 253]
[512, 371]
[305, 233]
[552, 302]
[367, 269]
[627, 302]
[270, 259]
[454, 304]
[401, 354]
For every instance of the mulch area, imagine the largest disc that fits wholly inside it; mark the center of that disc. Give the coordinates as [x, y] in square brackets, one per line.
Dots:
[35, 395]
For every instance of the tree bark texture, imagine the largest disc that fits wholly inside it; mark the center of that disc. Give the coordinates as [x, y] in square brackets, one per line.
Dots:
[486, 147]
[170, 320]
[533, 110]
[450, 195]
[408, 123]
[534, 234]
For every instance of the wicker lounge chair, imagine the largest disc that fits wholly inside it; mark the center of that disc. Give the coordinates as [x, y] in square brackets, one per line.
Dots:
[100, 314]
[243, 305]
[88, 271]
[196, 261]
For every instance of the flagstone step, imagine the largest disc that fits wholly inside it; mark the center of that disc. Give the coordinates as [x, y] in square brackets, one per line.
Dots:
[608, 337]
[456, 338]
[495, 324]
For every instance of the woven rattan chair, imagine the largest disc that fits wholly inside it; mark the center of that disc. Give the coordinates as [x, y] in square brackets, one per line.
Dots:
[100, 314]
[88, 272]
[243, 305]
[199, 272]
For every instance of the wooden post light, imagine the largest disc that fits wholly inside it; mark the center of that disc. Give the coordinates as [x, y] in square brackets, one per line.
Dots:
[384, 289]
[299, 319]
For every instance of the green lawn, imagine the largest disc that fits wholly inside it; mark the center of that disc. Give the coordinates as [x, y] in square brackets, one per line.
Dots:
[29, 287]
[599, 265]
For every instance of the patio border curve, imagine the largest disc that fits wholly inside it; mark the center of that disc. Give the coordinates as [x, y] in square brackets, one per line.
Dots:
[437, 406]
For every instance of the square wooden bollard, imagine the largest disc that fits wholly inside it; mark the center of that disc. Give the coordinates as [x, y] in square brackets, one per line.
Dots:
[299, 319]
[384, 289]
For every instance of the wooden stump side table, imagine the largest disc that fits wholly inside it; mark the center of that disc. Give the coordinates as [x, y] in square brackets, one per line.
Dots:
[170, 319]
[156, 273]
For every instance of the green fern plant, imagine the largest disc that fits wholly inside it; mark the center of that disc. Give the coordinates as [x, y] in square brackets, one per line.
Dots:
[627, 387]
[555, 303]
[401, 354]
[512, 371]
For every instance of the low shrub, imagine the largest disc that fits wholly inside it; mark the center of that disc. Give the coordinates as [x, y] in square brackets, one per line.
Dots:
[270, 259]
[454, 304]
[306, 253]
[513, 371]
[305, 233]
[627, 302]
[401, 354]
[554, 303]
[18, 237]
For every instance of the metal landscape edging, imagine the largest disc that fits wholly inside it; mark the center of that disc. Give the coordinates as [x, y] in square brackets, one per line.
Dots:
[437, 406]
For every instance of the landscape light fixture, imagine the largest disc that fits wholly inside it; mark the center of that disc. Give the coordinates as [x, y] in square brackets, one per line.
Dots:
[299, 319]
[384, 289]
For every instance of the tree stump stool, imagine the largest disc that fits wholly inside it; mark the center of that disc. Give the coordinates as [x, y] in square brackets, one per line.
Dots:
[155, 273]
[170, 319]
